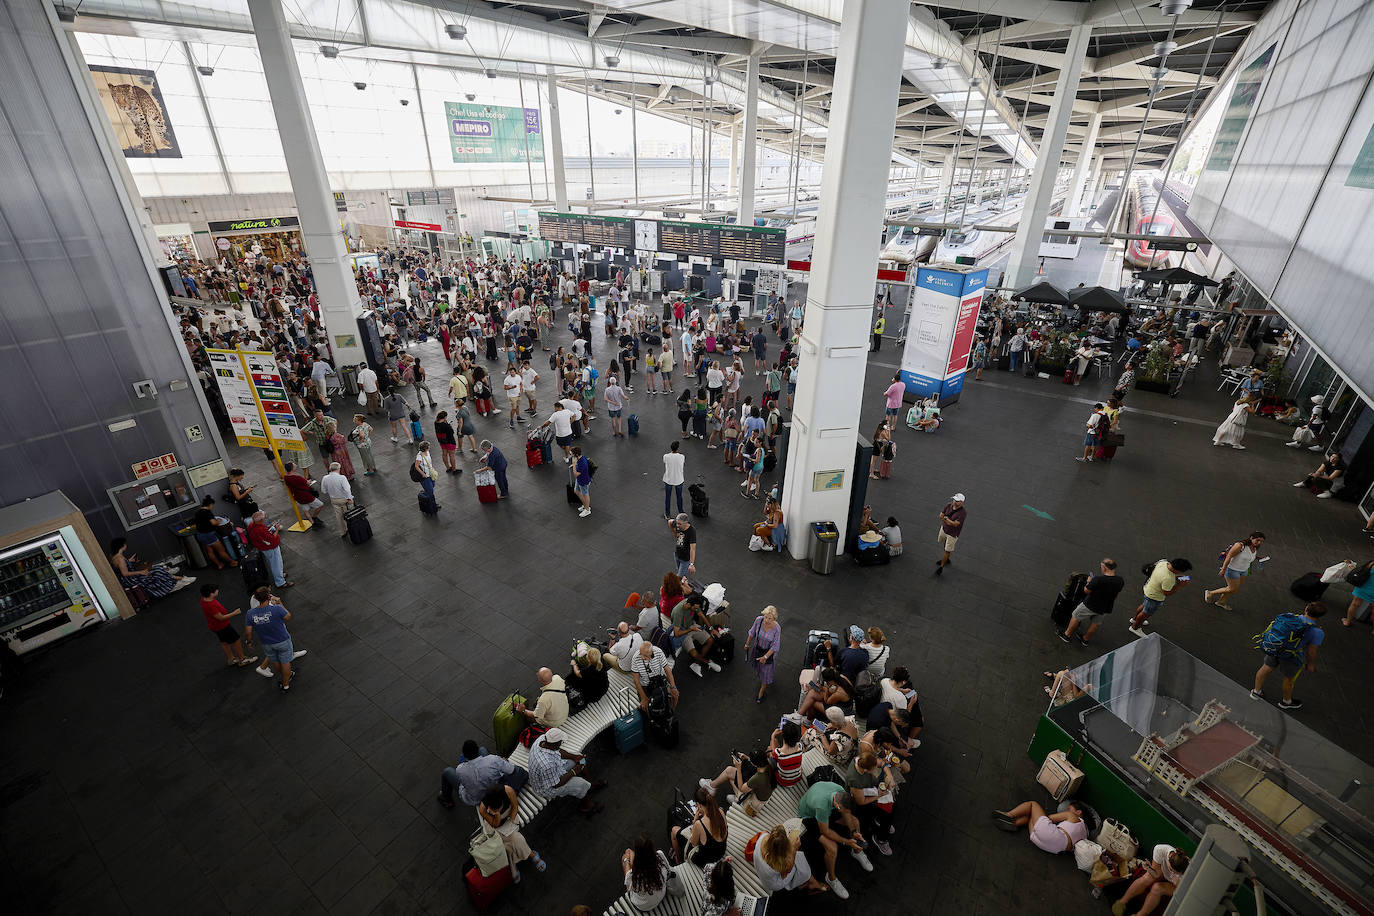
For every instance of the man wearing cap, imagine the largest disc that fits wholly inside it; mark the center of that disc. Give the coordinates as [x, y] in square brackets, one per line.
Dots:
[951, 526]
[853, 658]
[555, 772]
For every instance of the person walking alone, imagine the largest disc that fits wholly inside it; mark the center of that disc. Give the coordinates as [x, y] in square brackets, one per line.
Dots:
[761, 648]
[674, 475]
[1235, 566]
[1165, 578]
[1290, 645]
[582, 481]
[1098, 598]
[951, 528]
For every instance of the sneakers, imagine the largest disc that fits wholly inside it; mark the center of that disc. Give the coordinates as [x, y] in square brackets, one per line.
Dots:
[1326, 495]
[696, 669]
[838, 888]
[1256, 695]
[1136, 630]
[883, 847]
[265, 672]
[299, 653]
[583, 512]
[1300, 483]
[731, 798]
[284, 687]
[1064, 637]
[704, 783]
[713, 666]
[1293, 445]
[1290, 704]
[1314, 448]
[862, 858]
[244, 663]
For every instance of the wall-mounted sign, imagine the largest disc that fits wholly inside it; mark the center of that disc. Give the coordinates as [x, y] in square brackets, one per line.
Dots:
[340, 202]
[430, 197]
[822, 481]
[222, 244]
[194, 433]
[269, 224]
[494, 133]
[133, 103]
[153, 466]
[202, 475]
[427, 227]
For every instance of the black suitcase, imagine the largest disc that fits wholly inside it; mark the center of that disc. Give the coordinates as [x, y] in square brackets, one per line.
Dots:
[1069, 597]
[701, 503]
[1308, 587]
[723, 650]
[255, 572]
[872, 556]
[359, 528]
[814, 648]
[663, 721]
[428, 504]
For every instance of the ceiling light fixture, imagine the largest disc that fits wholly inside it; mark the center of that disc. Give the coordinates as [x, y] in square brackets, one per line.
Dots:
[471, 96]
[405, 102]
[612, 61]
[329, 51]
[1175, 7]
[937, 63]
[1159, 73]
[456, 32]
[360, 85]
[1165, 48]
[491, 74]
[205, 70]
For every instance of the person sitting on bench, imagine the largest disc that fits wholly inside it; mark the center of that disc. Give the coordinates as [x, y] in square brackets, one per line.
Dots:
[690, 632]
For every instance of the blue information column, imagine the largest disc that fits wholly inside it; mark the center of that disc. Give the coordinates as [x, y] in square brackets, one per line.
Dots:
[940, 331]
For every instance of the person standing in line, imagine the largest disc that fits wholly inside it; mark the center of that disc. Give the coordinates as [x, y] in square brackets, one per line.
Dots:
[582, 481]
[951, 528]
[666, 362]
[396, 411]
[614, 397]
[562, 421]
[1232, 429]
[367, 381]
[298, 483]
[528, 377]
[1098, 598]
[1017, 349]
[264, 537]
[1096, 425]
[462, 426]
[269, 620]
[361, 436]
[1290, 645]
[513, 386]
[1166, 577]
[893, 400]
[458, 385]
[761, 648]
[218, 618]
[494, 461]
[685, 544]
[339, 448]
[335, 487]
[1235, 566]
[674, 476]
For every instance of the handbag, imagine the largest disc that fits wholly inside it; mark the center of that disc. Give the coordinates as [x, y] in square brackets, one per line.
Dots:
[1358, 577]
[1338, 571]
[488, 850]
[756, 651]
[1116, 839]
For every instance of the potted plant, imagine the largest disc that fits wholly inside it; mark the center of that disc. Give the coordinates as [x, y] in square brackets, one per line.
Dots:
[1055, 358]
[1154, 372]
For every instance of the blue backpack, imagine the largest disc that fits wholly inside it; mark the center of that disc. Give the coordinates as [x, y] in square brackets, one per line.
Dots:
[1283, 637]
[633, 425]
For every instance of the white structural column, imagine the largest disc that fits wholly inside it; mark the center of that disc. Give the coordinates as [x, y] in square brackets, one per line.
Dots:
[751, 140]
[338, 292]
[834, 340]
[1073, 204]
[560, 175]
[1094, 183]
[734, 159]
[1025, 248]
[946, 180]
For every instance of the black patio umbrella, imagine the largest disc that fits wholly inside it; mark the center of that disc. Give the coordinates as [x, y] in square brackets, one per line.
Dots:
[1098, 299]
[1044, 291]
[1173, 275]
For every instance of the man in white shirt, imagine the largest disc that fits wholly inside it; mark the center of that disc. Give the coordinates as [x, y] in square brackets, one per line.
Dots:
[562, 421]
[513, 386]
[578, 414]
[623, 651]
[335, 487]
[318, 372]
[528, 376]
[674, 474]
[687, 344]
[367, 380]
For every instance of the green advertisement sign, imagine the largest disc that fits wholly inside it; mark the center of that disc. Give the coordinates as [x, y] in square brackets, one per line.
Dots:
[494, 133]
[1238, 110]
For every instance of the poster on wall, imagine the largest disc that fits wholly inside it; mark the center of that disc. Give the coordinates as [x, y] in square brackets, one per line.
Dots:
[133, 103]
[494, 133]
[940, 331]
[1239, 108]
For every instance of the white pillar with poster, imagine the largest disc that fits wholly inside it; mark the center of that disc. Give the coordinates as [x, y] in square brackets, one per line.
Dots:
[940, 331]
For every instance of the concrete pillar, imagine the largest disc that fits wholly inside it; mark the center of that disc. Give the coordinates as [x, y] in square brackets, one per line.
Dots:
[334, 284]
[751, 140]
[946, 180]
[1094, 183]
[1025, 248]
[560, 175]
[1073, 204]
[734, 159]
[833, 352]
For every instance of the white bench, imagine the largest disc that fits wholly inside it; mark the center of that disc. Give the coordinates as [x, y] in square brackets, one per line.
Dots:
[581, 728]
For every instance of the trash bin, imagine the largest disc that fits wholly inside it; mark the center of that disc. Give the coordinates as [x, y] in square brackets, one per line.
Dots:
[190, 547]
[825, 542]
[348, 380]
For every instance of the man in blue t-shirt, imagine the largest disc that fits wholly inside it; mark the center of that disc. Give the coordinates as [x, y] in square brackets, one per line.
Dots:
[582, 482]
[269, 620]
[1304, 636]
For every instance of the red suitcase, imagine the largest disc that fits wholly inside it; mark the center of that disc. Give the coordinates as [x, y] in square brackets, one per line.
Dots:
[486, 493]
[484, 890]
[534, 453]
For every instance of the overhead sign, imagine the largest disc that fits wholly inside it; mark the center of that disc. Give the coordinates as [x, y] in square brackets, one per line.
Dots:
[611, 231]
[428, 227]
[340, 202]
[430, 197]
[760, 244]
[239, 401]
[270, 224]
[940, 331]
[494, 133]
[270, 390]
[154, 466]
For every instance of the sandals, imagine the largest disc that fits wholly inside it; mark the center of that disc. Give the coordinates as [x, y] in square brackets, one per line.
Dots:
[539, 863]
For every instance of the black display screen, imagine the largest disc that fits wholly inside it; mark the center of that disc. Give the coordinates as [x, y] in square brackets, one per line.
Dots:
[610, 231]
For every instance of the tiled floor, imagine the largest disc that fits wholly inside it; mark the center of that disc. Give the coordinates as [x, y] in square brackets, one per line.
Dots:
[139, 775]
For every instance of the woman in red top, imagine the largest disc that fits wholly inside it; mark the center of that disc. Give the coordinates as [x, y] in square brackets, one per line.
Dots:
[786, 752]
[673, 590]
[217, 619]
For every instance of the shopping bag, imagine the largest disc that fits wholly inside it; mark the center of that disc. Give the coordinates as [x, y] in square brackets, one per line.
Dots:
[489, 852]
[1338, 571]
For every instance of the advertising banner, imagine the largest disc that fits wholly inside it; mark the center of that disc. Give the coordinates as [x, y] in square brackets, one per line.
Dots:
[494, 133]
[240, 402]
[265, 377]
[1239, 107]
[940, 331]
[133, 103]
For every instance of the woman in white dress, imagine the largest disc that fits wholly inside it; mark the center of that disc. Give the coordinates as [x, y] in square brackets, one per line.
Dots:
[1232, 429]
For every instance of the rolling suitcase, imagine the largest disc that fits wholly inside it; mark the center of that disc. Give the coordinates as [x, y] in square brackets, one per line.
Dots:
[534, 453]
[359, 528]
[1058, 776]
[1308, 587]
[546, 450]
[632, 425]
[507, 724]
[815, 650]
[701, 503]
[629, 731]
[1068, 598]
[663, 722]
[255, 572]
[483, 890]
[428, 504]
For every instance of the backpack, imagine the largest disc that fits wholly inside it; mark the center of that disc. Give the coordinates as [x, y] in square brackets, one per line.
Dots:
[866, 696]
[824, 773]
[415, 474]
[633, 425]
[1148, 569]
[1283, 638]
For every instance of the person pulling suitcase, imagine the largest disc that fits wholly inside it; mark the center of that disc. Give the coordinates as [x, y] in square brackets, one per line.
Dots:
[1099, 594]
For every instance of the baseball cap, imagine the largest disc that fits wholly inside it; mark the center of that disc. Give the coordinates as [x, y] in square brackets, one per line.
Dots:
[856, 632]
[554, 736]
[958, 497]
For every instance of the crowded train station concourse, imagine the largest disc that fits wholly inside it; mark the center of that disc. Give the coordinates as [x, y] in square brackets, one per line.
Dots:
[702, 458]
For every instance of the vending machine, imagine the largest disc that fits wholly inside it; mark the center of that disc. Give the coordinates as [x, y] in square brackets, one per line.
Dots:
[44, 596]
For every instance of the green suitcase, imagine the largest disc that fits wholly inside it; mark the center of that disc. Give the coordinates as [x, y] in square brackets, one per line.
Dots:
[507, 724]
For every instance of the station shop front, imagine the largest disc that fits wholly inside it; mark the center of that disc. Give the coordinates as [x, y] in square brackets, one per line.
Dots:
[277, 237]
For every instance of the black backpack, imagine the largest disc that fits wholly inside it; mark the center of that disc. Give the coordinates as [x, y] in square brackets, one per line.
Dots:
[415, 474]
[866, 697]
[824, 773]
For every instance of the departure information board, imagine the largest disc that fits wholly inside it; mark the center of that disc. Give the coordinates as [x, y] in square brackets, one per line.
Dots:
[700, 239]
[611, 231]
[760, 244]
[753, 243]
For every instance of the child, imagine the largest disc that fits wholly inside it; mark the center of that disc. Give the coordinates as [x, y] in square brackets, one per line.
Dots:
[417, 433]
[892, 536]
[217, 619]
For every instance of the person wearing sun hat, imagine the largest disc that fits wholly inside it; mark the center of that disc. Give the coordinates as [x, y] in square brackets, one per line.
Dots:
[951, 528]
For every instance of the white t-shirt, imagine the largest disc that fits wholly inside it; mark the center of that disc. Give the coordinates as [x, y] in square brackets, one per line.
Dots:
[527, 378]
[579, 346]
[714, 378]
[562, 422]
[648, 618]
[673, 465]
[368, 379]
[573, 407]
[626, 648]
[1161, 858]
[512, 385]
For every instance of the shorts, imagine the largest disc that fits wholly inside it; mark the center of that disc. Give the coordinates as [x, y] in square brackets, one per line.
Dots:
[891, 411]
[1045, 835]
[1236, 573]
[279, 652]
[1150, 605]
[651, 370]
[514, 401]
[1085, 614]
[947, 541]
[449, 448]
[791, 388]
[1288, 667]
[667, 374]
[1090, 441]
[695, 640]
[613, 413]
[581, 488]
[315, 503]
[564, 441]
[228, 635]
[207, 537]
